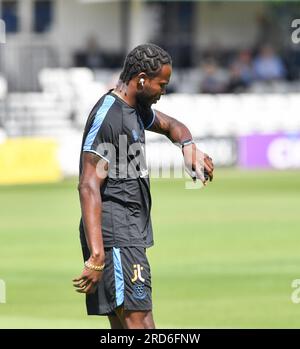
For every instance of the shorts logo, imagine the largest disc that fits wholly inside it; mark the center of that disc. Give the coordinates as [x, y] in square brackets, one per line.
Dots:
[139, 292]
[137, 273]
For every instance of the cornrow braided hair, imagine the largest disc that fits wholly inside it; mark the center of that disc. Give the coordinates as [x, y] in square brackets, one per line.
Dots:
[147, 58]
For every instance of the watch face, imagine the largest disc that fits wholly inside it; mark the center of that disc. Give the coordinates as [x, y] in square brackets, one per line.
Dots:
[187, 142]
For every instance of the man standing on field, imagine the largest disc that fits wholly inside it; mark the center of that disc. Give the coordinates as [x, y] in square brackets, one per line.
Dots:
[114, 188]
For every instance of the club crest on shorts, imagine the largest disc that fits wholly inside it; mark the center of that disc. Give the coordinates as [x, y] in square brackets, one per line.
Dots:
[139, 291]
[137, 273]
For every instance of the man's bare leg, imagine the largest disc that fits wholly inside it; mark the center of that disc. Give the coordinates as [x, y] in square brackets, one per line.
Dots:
[136, 319]
[115, 322]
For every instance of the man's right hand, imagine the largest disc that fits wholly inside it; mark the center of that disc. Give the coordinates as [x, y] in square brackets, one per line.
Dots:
[87, 282]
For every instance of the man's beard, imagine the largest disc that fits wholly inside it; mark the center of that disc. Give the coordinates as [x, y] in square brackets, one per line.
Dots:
[143, 107]
[143, 101]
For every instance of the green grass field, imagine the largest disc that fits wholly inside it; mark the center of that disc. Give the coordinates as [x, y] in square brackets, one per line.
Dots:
[224, 257]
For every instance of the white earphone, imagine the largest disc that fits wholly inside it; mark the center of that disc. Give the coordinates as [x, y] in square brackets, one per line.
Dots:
[142, 82]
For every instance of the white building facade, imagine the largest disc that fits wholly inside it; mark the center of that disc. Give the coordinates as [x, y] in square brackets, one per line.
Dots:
[48, 33]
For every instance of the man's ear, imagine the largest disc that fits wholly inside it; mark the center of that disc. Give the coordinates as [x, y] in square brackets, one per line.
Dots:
[142, 81]
[141, 78]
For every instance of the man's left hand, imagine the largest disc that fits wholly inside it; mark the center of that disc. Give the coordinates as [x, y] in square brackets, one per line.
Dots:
[198, 163]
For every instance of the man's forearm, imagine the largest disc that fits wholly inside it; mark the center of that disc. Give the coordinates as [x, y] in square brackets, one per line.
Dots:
[175, 130]
[178, 132]
[91, 207]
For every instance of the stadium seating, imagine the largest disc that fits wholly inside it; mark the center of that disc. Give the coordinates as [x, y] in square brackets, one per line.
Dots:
[68, 95]
[3, 87]
[60, 110]
[36, 114]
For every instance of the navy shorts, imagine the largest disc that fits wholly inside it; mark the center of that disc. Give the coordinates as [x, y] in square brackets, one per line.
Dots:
[126, 281]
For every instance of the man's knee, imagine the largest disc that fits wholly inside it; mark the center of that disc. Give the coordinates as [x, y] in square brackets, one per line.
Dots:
[139, 320]
[115, 322]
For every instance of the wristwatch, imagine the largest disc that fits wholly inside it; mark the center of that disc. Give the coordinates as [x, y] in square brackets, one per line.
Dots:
[186, 142]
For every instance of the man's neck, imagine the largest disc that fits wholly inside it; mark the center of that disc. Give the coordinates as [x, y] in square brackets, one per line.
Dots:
[125, 95]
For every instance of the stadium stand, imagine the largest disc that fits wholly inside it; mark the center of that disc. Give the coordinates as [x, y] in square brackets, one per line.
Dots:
[68, 95]
[36, 114]
[60, 110]
[3, 87]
